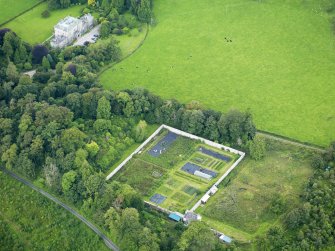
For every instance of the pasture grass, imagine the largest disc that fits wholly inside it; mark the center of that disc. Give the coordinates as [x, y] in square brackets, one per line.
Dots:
[279, 64]
[246, 202]
[40, 224]
[10, 10]
[34, 29]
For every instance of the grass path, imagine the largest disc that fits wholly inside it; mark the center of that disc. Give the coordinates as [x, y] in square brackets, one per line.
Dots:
[279, 64]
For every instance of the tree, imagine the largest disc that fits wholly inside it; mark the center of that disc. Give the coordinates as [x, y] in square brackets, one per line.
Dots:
[211, 130]
[51, 174]
[105, 29]
[103, 109]
[2, 35]
[25, 166]
[11, 72]
[144, 11]
[198, 236]
[92, 148]
[7, 47]
[68, 180]
[38, 52]
[112, 219]
[10, 156]
[257, 148]
[74, 102]
[45, 63]
[25, 122]
[91, 2]
[23, 53]
[95, 184]
[65, 3]
[106, 5]
[140, 131]
[72, 139]
[118, 5]
[25, 80]
[68, 78]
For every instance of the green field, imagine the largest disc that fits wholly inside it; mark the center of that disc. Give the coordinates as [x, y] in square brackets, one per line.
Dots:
[33, 28]
[280, 63]
[163, 175]
[10, 10]
[39, 224]
[247, 205]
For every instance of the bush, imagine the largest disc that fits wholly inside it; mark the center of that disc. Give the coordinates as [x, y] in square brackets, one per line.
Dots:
[45, 14]
[2, 34]
[125, 30]
[257, 148]
[117, 31]
[86, 11]
[27, 66]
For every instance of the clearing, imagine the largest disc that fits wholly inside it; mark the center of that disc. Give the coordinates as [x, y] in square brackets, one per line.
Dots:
[274, 57]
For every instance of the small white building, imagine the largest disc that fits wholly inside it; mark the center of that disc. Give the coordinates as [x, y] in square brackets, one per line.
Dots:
[203, 175]
[205, 198]
[69, 29]
[213, 190]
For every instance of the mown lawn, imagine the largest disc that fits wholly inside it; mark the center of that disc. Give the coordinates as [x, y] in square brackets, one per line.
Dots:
[248, 204]
[10, 9]
[279, 62]
[36, 223]
[33, 28]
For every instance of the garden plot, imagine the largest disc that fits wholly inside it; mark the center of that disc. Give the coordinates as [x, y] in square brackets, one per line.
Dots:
[175, 171]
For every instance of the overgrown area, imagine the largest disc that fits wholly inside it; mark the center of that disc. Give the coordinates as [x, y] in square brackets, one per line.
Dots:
[260, 192]
[28, 221]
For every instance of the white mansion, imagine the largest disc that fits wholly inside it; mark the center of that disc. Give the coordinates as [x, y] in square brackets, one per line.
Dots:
[69, 29]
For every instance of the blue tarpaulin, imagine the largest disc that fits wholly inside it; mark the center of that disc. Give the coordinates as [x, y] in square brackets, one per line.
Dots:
[163, 144]
[174, 217]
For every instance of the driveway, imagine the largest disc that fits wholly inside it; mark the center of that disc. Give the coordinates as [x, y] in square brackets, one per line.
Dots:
[88, 37]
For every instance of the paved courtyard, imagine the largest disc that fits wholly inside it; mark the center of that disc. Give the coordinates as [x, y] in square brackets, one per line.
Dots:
[88, 37]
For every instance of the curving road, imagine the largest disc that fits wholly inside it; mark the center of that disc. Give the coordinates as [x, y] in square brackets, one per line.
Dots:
[107, 241]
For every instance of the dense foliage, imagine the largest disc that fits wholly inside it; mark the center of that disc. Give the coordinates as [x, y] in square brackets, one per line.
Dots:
[29, 221]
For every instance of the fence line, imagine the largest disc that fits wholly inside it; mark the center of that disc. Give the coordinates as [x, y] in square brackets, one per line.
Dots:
[158, 208]
[218, 182]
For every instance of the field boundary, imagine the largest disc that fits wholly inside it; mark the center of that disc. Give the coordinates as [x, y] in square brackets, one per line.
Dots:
[23, 12]
[207, 195]
[291, 141]
[106, 240]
